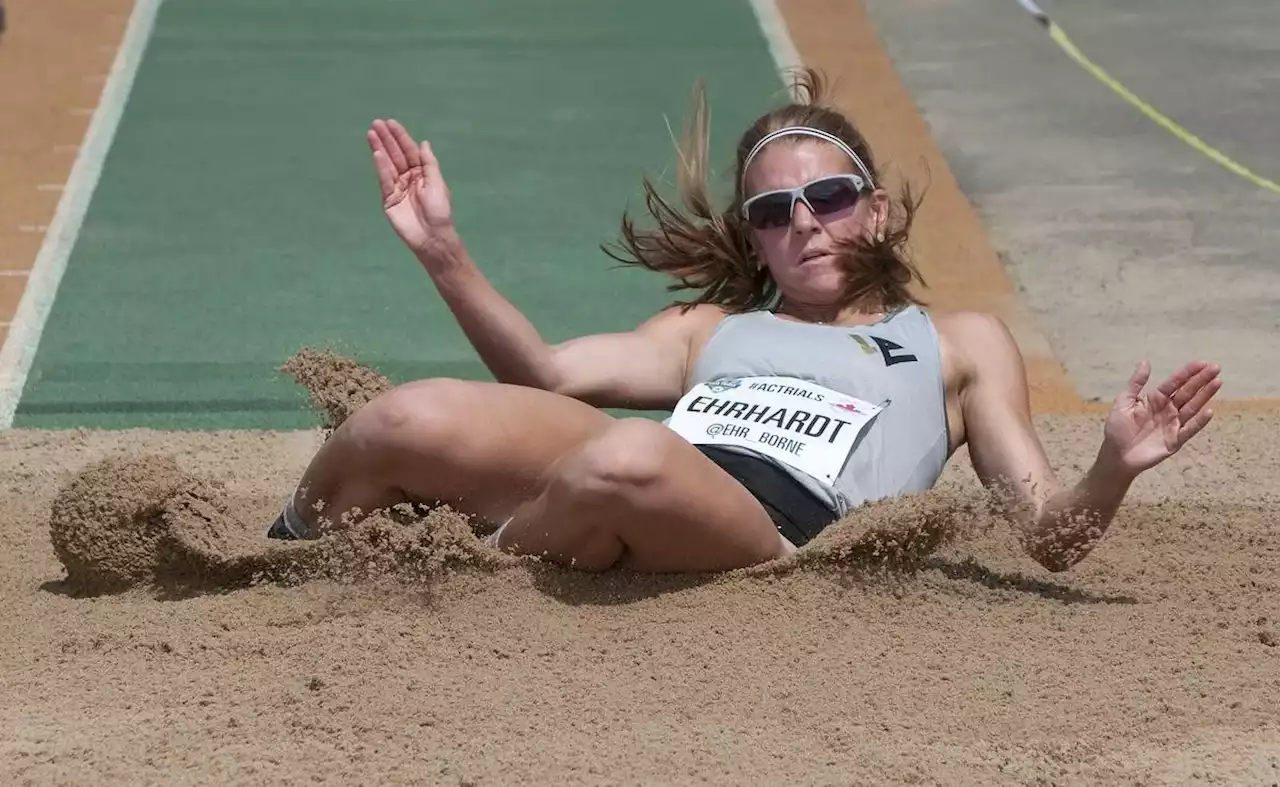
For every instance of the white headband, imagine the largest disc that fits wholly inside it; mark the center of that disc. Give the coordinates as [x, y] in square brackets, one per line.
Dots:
[808, 132]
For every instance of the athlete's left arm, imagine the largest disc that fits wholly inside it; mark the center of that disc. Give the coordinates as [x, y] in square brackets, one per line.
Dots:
[1061, 525]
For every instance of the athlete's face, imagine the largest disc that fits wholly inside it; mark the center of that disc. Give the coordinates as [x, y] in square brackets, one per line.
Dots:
[800, 254]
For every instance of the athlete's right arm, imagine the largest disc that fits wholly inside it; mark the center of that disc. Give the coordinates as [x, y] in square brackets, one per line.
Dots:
[640, 369]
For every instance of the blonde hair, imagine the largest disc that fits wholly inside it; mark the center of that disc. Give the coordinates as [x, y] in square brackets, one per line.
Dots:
[710, 251]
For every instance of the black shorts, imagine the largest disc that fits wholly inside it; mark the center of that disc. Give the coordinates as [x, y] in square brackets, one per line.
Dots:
[797, 513]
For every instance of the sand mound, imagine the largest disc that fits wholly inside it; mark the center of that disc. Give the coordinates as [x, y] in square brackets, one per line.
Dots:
[107, 524]
[209, 547]
[124, 522]
[403, 545]
[338, 386]
[206, 547]
[121, 523]
[896, 534]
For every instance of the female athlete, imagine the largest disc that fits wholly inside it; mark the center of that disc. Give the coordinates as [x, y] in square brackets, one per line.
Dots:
[803, 379]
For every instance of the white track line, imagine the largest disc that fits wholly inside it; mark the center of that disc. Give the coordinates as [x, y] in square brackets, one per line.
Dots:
[24, 333]
[776, 34]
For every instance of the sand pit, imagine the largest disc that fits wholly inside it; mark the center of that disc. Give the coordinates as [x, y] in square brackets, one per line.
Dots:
[894, 650]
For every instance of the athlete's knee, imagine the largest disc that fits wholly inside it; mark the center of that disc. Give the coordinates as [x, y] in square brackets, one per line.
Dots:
[422, 416]
[626, 461]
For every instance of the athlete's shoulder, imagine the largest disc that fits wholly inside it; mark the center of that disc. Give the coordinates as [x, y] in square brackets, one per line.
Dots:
[969, 325]
[687, 319]
[975, 342]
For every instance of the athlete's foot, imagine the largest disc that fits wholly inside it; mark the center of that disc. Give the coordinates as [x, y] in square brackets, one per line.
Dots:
[279, 530]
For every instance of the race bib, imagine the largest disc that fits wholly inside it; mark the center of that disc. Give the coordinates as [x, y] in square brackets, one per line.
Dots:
[805, 425]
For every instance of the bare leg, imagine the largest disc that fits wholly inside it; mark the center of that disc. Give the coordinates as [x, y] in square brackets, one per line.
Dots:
[639, 496]
[482, 448]
[578, 486]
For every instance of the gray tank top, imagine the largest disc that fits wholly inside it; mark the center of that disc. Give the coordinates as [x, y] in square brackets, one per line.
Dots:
[895, 361]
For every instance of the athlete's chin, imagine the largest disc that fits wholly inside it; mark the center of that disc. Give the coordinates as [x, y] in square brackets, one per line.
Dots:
[816, 285]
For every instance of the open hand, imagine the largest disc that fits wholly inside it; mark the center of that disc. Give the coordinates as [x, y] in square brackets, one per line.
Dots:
[414, 194]
[1145, 428]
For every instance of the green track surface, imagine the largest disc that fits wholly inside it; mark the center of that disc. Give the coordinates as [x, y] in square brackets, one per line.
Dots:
[238, 218]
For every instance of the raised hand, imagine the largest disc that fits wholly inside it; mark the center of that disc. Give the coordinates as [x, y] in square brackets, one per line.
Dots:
[1145, 428]
[414, 195]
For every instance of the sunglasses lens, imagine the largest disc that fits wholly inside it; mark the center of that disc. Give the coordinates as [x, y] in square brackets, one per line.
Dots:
[770, 211]
[831, 195]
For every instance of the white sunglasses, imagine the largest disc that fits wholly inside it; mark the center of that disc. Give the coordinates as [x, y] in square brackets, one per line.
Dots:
[822, 197]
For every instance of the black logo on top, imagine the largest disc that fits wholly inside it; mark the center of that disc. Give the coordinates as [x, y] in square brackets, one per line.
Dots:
[892, 352]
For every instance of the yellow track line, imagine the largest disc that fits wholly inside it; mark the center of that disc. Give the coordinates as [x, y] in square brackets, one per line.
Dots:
[1060, 38]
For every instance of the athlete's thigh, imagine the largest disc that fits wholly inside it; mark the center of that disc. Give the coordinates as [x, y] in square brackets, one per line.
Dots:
[640, 496]
[483, 447]
[705, 520]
